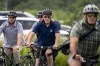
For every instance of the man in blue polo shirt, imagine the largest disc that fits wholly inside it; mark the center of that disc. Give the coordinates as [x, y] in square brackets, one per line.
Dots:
[47, 33]
[40, 17]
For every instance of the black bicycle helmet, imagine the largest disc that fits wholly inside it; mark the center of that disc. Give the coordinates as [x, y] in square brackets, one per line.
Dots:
[12, 13]
[90, 8]
[40, 13]
[47, 12]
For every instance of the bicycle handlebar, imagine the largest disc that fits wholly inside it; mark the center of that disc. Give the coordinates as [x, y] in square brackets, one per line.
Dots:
[56, 50]
[2, 48]
[83, 59]
[40, 47]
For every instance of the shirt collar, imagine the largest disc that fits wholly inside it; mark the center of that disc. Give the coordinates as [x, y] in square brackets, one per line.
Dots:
[13, 25]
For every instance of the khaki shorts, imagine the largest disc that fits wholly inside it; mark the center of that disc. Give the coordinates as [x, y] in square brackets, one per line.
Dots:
[16, 54]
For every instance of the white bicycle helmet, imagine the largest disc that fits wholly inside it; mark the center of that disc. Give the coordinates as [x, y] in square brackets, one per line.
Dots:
[12, 13]
[40, 13]
[90, 8]
[47, 12]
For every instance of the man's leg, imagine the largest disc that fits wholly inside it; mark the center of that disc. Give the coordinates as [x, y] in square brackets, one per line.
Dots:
[49, 58]
[8, 55]
[16, 54]
[73, 62]
[37, 62]
[37, 57]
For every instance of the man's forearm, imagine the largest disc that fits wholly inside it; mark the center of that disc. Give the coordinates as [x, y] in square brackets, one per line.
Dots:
[19, 39]
[73, 45]
[73, 48]
[26, 37]
[30, 37]
[57, 38]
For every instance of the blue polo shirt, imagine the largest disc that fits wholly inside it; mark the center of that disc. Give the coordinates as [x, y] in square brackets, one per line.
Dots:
[45, 35]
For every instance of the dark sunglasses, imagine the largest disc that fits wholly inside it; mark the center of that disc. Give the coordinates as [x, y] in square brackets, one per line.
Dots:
[12, 17]
[92, 15]
[47, 16]
[40, 16]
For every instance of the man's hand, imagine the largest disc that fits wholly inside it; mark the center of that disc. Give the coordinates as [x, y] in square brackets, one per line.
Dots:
[55, 46]
[18, 47]
[77, 57]
[48, 51]
[28, 44]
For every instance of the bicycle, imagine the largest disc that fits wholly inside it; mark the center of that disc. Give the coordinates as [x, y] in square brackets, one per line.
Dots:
[43, 61]
[3, 58]
[92, 61]
[28, 59]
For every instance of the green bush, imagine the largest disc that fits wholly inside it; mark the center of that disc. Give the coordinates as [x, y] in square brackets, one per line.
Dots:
[61, 60]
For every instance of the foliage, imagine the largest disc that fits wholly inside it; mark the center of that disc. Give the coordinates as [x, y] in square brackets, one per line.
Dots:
[63, 10]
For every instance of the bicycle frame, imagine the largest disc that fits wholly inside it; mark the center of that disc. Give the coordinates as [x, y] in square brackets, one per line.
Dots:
[92, 61]
[42, 59]
[5, 56]
[28, 58]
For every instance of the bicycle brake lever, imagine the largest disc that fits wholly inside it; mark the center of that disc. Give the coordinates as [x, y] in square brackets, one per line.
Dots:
[82, 59]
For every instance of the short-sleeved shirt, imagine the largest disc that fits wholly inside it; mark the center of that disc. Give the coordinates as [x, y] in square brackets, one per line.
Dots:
[45, 35]
[11, 32]
[88, 46]
[33, 27]
[35, 24]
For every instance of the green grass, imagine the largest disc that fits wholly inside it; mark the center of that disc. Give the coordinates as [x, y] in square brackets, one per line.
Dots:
[61, 60]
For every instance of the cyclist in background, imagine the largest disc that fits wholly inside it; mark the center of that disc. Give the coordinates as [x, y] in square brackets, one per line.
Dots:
[88, 46]
[13, 36]
[40, 17]
[47, 35]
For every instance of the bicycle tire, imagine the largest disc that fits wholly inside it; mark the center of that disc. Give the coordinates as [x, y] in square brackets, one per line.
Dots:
[28, 64]
[43, 61]
[27, 61]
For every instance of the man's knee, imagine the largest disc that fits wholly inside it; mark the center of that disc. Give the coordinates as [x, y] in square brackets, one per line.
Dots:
[37, 62]
[73, 62]
[16, 50]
